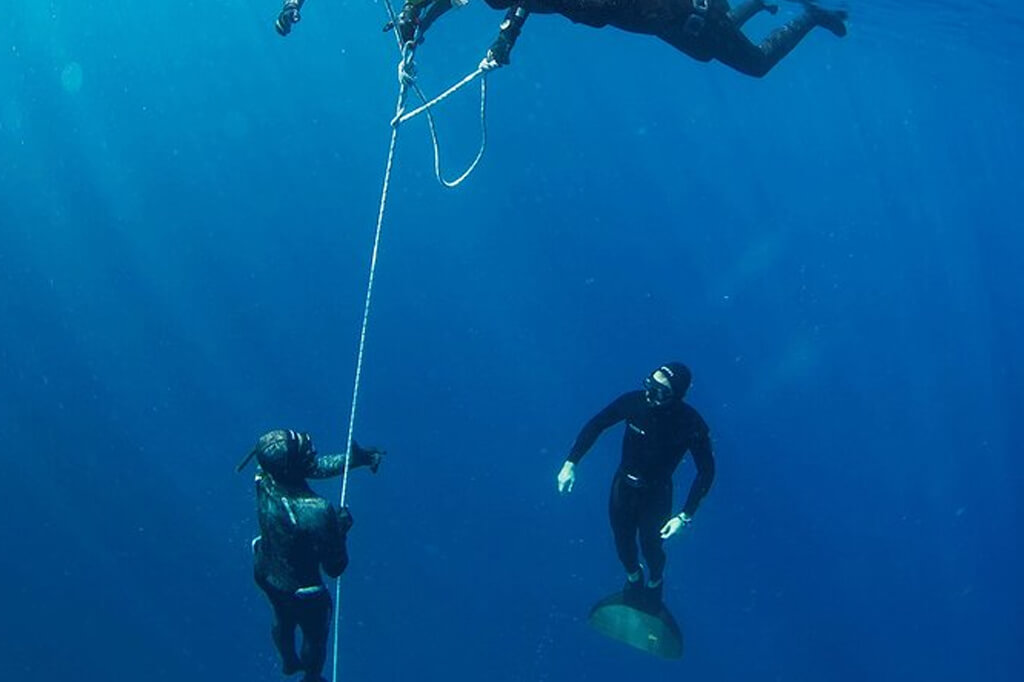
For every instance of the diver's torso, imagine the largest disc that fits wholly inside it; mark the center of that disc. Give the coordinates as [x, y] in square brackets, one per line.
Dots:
[292, 527]
[657, 438]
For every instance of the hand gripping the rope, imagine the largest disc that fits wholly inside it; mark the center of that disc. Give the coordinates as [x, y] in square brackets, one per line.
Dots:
[497, 54]
[407, 67]
[499, 51]
[408, 22]
[288, 17]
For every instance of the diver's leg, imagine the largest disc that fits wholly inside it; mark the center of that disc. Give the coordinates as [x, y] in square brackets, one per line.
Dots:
[655, 511]
[316, 624]
[656, 508]
[735, 49]
[742, 14]
[282, 631]
[622, 513]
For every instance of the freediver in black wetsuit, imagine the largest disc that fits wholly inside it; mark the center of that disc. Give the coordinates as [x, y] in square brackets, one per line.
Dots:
[300, 533]
[702, 29]
[660, 429]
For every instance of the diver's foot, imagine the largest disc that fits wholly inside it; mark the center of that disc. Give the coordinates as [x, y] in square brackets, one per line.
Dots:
[633, 590]
[834, 20]
[652, 595]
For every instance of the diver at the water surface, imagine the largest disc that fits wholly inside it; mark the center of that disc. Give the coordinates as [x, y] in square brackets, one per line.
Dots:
[702, 29]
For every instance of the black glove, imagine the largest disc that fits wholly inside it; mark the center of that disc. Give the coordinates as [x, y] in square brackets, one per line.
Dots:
[345, 520]
[366, 457]
[499, 50]
[408, 22]
[289, 15]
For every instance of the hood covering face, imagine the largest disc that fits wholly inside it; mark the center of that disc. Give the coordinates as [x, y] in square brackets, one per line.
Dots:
[285, 454]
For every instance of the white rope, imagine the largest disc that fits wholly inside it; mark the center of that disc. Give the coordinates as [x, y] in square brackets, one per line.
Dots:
[452, 184]
[406, 71]
[359, 357]
[437, 100]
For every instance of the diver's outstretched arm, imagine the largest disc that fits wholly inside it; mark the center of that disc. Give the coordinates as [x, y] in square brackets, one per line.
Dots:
[329, 466]
[434, 13]
[511, 27]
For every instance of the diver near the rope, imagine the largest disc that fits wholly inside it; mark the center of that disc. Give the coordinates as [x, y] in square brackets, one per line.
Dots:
[702, 29]
[288, 16]
[660, 429]
[300, 533]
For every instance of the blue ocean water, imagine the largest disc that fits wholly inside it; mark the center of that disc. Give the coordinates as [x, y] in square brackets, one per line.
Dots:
[187, 205]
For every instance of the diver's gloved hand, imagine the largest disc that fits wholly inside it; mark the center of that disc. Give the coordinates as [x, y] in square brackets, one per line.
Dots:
[497, 53]
[567, 478]
[408, 22]
[675, 524]
[366, 457]
[345, 520]
[288, 17]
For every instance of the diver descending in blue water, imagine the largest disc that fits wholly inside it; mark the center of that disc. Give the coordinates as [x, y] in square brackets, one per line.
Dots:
[702, 29]
[660, 429]
[300, 534]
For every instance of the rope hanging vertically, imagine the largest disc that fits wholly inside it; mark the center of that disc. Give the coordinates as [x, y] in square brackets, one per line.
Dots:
[406, 80]
[359, 357]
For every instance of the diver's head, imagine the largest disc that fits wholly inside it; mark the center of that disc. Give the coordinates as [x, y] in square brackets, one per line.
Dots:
[285, 454]
[667, 384]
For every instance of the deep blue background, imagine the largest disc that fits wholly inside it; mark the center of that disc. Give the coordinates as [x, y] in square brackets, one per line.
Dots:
[186, 210]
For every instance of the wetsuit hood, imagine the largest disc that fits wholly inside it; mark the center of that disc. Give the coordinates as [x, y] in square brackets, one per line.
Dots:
[679, 378]
[657, 394]
[286, 455]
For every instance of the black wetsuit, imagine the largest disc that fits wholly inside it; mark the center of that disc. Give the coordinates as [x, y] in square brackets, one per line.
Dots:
[300, 534]
[655, 440]
[703, 29]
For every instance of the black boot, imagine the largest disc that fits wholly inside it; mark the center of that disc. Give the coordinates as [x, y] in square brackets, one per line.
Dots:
[633, 590]
[652, 596]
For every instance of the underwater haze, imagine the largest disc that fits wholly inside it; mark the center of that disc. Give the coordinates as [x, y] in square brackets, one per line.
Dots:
[187, 210]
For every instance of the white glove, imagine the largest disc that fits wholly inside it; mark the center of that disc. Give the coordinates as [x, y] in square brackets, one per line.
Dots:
[674, 525]
[567, 478]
